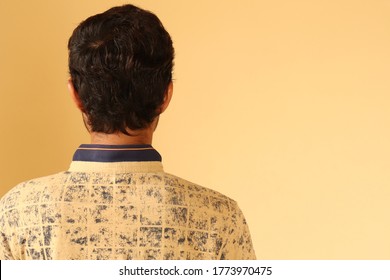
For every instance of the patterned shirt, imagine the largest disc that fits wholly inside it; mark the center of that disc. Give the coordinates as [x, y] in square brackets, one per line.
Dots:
[116, 202]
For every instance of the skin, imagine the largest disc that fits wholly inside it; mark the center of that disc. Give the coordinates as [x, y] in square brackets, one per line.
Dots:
[142, 136]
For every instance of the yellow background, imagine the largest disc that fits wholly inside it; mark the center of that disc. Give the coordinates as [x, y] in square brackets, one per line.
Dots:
[282, 105]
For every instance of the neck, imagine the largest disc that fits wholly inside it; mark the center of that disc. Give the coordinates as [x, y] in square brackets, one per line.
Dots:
[135, 138]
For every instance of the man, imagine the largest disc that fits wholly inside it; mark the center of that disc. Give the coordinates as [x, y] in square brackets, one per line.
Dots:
[115, 201]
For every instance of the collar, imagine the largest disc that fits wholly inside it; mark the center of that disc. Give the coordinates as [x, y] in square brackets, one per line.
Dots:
[116, 153]
[116, 159]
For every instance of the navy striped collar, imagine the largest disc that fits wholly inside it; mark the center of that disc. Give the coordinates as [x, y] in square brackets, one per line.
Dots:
[116, 153]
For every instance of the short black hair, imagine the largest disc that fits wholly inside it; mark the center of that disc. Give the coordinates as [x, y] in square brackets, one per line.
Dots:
[121, 63]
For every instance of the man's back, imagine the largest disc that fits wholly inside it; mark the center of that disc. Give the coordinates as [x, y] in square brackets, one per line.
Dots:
[116, 202]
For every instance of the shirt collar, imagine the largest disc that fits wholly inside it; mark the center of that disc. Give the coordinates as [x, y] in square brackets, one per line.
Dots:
[116, 153]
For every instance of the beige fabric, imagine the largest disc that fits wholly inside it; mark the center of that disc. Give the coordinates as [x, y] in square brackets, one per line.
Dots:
[120, 211]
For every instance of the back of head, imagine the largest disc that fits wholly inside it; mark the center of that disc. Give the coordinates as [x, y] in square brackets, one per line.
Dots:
[120, 63]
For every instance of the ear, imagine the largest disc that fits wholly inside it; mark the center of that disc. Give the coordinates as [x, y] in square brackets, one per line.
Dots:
[75, 95]
[167, 98]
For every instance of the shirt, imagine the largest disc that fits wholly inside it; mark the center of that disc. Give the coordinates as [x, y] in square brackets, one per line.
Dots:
[116, 202]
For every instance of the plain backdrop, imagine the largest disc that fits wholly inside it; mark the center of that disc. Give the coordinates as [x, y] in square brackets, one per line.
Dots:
[282, 105]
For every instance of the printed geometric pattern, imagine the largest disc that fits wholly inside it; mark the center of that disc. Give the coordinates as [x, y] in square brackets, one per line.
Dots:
[95, 212]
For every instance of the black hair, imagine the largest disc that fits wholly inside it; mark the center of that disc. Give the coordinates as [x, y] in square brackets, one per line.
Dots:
[121, 63]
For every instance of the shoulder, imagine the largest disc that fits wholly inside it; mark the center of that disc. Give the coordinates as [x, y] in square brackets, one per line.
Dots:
[30, 191]
[198, 195]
